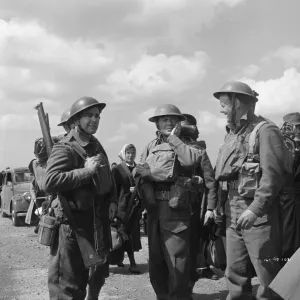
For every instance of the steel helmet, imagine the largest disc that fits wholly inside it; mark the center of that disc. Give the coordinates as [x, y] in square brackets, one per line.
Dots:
[237, 87]
[84, 103]
[167, 110]
[190, 119]
[292, 118]
[64, 117]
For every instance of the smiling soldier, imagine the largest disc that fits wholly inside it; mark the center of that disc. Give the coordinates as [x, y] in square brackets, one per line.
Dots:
[166, 167]
[252, 162]
[86, 182]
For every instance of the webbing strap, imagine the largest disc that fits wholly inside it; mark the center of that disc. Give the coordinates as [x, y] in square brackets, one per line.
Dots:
[252, 137]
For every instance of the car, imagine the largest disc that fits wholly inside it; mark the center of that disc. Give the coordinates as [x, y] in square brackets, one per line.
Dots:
[15, 194]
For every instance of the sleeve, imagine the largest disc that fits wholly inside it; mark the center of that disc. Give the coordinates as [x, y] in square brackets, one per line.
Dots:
[113, 193]
[271, 152]
[115, 175]
[188, 155]
[210, 182]
[60, 173]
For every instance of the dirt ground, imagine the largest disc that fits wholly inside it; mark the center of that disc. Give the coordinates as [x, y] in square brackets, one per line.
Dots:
[23, 271]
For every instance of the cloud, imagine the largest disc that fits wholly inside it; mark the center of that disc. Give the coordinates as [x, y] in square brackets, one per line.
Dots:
[208, 123]
[145, 115]
[124, 130]
[157, 74]
[22, 122]
[290, 55]
[278, 96]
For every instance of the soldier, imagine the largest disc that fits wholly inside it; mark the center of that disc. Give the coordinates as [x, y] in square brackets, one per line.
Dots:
[66, 121]
[165, 167]
[38, 168]
[290, 195]
[252, 206]
[207, 174]
[80, 181]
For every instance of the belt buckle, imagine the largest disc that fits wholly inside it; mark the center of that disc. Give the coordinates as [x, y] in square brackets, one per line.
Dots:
[165, 195]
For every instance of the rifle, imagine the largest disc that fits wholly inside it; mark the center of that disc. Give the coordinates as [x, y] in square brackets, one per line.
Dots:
[89, 255]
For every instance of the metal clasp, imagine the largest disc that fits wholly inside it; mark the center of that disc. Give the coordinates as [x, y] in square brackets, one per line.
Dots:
[165, 195]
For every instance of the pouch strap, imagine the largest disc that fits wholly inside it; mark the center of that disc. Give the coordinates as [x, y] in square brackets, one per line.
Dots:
[252, 138]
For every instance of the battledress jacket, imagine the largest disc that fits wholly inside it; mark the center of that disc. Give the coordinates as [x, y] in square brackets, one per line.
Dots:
[67, 175]
[270, 146]
[188, 153]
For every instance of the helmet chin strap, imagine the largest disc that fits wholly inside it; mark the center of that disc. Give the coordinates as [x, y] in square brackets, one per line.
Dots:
[233, 114]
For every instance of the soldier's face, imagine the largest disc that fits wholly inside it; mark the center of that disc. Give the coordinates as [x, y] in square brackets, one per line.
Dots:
[166, 124]
[89, 120]
[226, 107]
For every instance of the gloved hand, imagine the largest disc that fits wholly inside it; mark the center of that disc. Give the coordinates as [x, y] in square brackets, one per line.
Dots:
[143, 170]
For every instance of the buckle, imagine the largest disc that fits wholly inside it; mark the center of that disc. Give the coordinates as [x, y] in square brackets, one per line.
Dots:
[164, 195]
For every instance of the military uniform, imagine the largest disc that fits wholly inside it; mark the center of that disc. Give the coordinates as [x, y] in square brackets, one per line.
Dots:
[169, 228]
[259, 245]
[65, 174]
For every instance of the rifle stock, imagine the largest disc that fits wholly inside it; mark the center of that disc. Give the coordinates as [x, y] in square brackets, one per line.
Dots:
[88, 253]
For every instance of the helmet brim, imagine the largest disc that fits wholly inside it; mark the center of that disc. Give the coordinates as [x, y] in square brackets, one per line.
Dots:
[218, 94]
[101, 106]
[61, 123]
[181, 117]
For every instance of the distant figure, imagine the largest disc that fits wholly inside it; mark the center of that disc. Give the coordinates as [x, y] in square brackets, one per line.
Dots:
[113, 165]
[125, 186]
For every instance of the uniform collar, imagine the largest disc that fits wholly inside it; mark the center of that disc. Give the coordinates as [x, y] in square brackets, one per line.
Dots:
[81, 137]
[246, 119]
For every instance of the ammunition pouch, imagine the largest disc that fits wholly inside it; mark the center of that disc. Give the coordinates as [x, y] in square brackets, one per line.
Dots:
[163, 163]
[248, 180]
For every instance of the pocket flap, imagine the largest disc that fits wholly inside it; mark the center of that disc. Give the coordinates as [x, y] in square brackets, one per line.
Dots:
[174, 226]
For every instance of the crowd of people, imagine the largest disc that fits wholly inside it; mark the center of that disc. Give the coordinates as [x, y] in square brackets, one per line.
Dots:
[248, 201]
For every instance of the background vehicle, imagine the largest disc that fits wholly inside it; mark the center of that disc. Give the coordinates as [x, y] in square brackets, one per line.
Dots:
[15, 196]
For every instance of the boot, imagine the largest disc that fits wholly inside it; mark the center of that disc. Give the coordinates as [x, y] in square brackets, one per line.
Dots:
[93, 292]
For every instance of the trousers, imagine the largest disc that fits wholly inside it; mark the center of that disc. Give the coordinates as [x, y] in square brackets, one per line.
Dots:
[67, 276]
[169, 256]
[258, 247]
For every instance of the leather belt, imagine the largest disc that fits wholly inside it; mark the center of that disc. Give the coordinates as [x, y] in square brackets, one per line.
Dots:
[162, 195]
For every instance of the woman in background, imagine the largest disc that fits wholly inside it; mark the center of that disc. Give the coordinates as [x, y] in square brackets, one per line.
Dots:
[125, 186]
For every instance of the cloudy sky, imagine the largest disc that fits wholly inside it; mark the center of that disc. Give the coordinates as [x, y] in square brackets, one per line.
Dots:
[137, 54]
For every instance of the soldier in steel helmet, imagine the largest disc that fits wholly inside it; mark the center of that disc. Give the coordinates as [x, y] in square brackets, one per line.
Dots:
[75, 170]
[38, 168]
[66, 122]
[290, 194]
[207, 188]
[166, 167]
[254, 180]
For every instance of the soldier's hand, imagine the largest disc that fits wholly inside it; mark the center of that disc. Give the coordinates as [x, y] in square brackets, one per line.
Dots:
[113, 210]
[246, 220]
[143, 170]
[92, 163]
[176, 130]
[132, 188]
[208, 215]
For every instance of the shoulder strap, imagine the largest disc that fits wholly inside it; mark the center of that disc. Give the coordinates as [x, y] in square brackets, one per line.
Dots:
[77, 148]
[252, 137]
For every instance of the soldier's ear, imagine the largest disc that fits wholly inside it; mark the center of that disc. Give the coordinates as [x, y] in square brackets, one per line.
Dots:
[237, 102]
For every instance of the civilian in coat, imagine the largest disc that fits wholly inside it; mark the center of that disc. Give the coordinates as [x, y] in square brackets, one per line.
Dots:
[125, 186]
